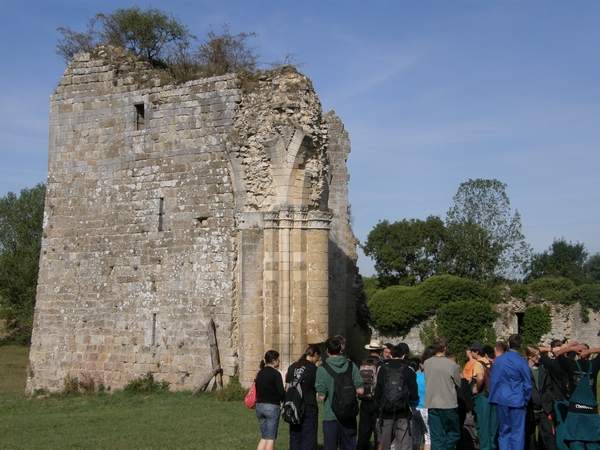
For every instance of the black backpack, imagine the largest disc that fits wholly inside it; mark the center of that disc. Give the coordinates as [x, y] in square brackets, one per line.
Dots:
[395, 392]
[368, 372]
[293, 407]
[343, 402]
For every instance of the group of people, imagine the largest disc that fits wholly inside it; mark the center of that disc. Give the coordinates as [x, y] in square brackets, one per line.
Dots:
[543, 401]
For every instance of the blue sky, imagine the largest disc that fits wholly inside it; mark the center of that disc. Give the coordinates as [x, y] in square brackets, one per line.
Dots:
[432, 93]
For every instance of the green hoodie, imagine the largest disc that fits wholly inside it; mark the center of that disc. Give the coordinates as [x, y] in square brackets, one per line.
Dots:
[324, 382]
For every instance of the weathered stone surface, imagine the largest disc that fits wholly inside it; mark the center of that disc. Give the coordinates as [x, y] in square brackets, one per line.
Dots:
[171, 205]
[566, 324]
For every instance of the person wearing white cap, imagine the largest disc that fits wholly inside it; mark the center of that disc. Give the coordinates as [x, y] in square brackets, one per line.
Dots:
[368, 409]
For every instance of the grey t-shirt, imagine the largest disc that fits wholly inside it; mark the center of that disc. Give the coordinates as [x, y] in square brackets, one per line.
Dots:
[441, 377]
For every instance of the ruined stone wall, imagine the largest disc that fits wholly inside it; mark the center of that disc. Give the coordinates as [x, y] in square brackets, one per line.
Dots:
[139, 248]
[171, 205]
[344, 280]
[566, 324]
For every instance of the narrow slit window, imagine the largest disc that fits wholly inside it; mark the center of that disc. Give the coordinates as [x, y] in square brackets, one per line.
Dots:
[139, 117]
[161, 212]
[154, 329]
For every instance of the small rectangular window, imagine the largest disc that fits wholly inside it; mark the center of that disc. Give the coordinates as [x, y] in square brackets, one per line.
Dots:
[139, 113]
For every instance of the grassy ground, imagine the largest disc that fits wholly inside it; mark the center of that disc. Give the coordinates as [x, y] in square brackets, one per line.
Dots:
[13, 368]
[119, 421]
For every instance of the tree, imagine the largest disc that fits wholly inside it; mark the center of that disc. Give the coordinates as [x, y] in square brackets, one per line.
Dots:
[592, 268]
[20, 242]
[486, 237]
[409, 251]
[562, 259]
[226, 53]
[150, 33]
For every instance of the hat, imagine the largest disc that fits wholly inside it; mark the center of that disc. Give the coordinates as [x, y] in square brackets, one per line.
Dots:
[375, 344]
[478, 346]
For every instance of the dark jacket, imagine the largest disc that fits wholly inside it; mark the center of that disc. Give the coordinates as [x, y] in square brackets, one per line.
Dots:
[558, 381]
[309, 394]
[410, 381]
[541, 396]
[269, 386]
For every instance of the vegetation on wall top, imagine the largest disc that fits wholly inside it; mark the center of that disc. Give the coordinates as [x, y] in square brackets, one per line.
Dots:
[162, 40]
[398, 308]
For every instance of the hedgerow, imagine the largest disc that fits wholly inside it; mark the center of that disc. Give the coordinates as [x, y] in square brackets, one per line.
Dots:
[399, 308]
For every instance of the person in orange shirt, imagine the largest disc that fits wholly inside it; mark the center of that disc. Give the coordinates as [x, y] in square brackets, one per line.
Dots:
[467, 372]
[469, 422]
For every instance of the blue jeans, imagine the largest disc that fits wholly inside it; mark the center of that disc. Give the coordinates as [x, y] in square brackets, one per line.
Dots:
[345, 433]
[304, 435]
[268, 419]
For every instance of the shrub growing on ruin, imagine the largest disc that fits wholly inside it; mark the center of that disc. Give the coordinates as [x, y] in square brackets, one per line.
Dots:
[464, 322]
[146, 384]
[555, 289]
[536, 323]
[150, 33]
[233, 392]
[398, 308]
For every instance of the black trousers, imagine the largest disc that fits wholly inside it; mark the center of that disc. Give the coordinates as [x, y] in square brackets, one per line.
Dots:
[366, 425]
[546, 439]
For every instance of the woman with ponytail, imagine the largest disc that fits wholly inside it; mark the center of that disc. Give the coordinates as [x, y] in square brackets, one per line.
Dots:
[269, 393]
[303, 436]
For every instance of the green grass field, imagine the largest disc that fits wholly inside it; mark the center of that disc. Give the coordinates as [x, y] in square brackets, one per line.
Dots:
[13, 368]
[119, 421]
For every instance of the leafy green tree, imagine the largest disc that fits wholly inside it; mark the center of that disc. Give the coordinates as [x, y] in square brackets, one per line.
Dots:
[409, 251]
[20, 242]
[485, 235]
[562, 259]
[150, 33]
[592, 268]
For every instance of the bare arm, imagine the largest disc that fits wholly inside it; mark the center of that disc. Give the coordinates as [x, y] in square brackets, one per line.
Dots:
[588, 351]
[569, 348]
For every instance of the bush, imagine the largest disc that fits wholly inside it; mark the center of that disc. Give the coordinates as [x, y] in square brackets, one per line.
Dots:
[519, 290]
[448, 288]
[233, 392]
[371, 286]
[536, 323]
[145, 384]
[589, 296]
[399, 308]
[84, 385]
[465, 322]
[555, 289]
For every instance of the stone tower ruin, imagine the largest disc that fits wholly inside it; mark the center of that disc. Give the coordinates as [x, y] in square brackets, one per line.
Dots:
[171, 205]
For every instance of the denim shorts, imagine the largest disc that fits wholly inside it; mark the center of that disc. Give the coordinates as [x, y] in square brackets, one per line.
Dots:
[268, 419]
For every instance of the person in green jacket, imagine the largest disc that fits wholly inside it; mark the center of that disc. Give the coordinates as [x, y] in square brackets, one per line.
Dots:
[335, 430]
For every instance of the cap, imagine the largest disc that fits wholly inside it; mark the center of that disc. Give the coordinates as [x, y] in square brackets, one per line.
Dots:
[478, 346]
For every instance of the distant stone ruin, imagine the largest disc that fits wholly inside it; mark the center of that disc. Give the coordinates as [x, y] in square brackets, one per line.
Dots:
[171, 205]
